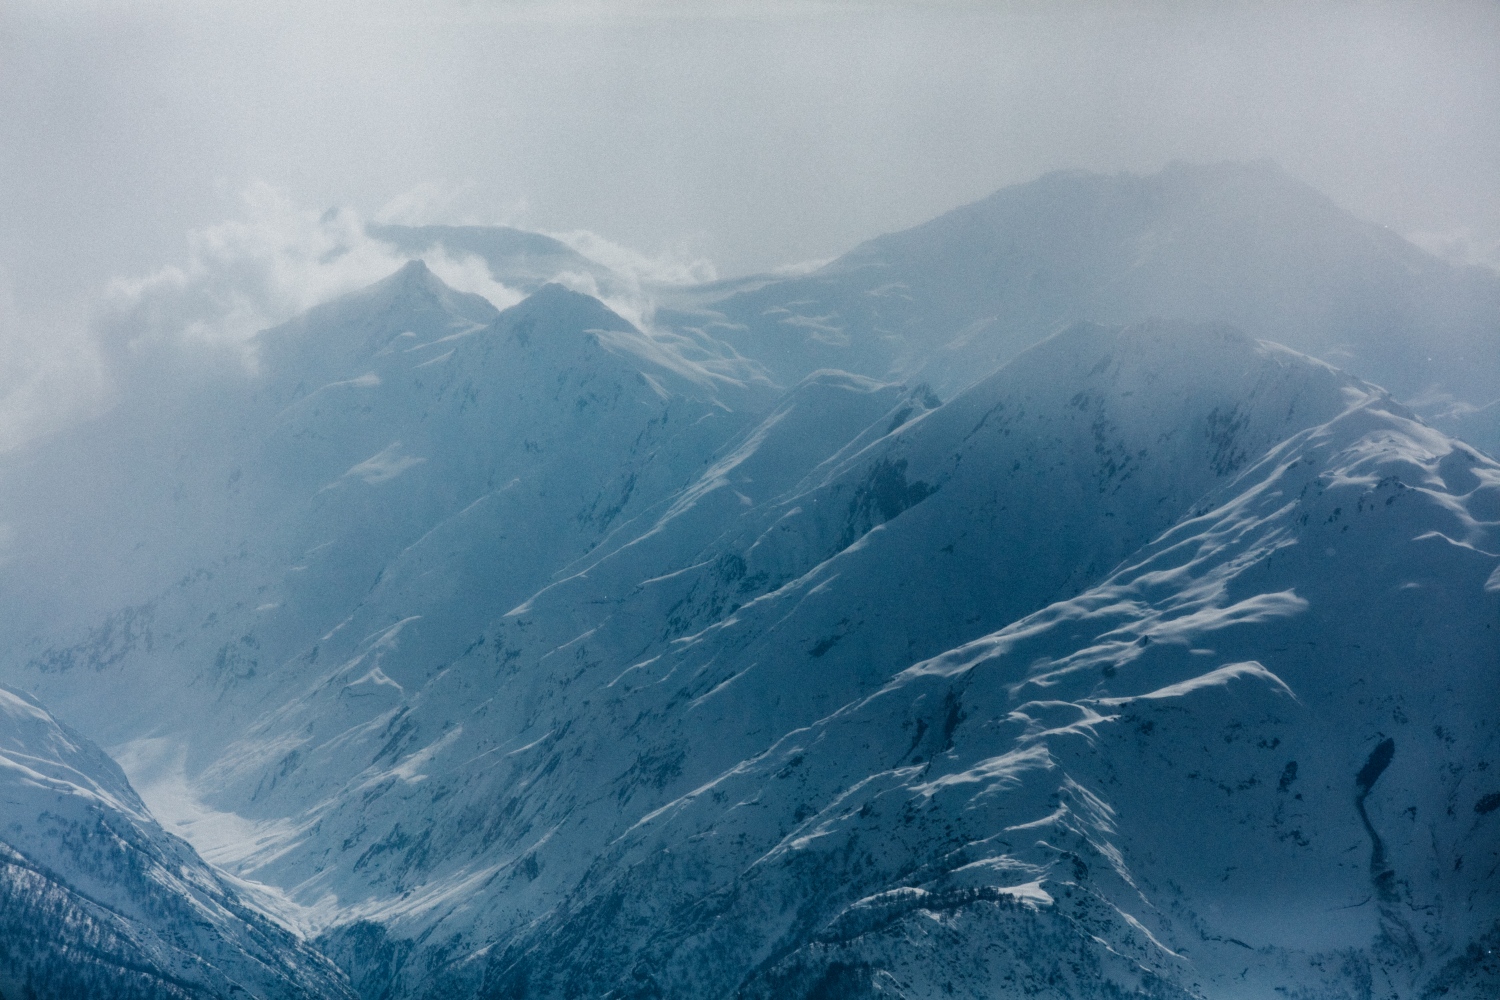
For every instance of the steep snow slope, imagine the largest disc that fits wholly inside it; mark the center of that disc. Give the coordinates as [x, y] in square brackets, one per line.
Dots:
[1243, 244]
[474, 802]
[1257, 758]
[403, 459]
[533, 653]
[101, 520]
[97, 901]
[931, 533]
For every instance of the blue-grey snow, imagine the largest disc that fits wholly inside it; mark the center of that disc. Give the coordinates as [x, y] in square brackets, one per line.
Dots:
[1091, 593]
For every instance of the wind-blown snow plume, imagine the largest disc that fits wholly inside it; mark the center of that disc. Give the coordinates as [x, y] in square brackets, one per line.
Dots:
[637, 266]
[276, 260]
[637, 273]
[196, 319]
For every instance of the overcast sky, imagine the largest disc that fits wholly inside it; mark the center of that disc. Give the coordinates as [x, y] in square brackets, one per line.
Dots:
[750, 135]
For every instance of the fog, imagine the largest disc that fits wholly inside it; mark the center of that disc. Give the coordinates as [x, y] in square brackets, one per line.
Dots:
[691, 139]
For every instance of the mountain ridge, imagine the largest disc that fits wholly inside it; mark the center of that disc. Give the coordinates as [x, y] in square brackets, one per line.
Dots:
[536, 653]
[1243, 244]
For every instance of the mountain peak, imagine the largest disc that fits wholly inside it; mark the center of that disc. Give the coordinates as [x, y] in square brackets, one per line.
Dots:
[414, 269]
[414, 277]
[560, 304]
[1244, 243]
[329, 341]
[412, 286]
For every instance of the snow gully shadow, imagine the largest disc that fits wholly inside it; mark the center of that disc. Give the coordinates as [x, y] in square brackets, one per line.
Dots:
[1383, 876]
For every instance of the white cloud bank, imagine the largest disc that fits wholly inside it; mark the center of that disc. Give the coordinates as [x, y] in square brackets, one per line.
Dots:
[50, 371]
[275, 259]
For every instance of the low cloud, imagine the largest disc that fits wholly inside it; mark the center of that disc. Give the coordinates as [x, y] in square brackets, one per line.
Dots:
[246, 274]
[1460, 246]
[196, 318]
[276, 260]
[636, 267]
[50, 371]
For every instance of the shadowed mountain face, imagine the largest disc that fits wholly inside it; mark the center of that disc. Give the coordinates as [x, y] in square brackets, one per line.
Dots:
[1158, 785]
[532, 654]
[1120, 766]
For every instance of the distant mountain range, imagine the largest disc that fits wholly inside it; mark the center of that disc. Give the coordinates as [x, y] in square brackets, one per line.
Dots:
[999, 610]
[1243, 244]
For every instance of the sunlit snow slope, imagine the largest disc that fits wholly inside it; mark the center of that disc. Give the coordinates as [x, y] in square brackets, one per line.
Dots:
[1108, 786]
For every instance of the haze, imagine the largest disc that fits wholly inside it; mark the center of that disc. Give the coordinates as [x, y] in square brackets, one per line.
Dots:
[716, 138]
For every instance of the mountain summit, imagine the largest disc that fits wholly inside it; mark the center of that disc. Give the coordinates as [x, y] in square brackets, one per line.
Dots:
[1244, 244]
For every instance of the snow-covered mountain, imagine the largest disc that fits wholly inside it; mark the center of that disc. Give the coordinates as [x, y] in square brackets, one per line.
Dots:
[1244, 244]
[406, 426]
[96, 900]
[533, 653]
[600, 750]
[1257, 756]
